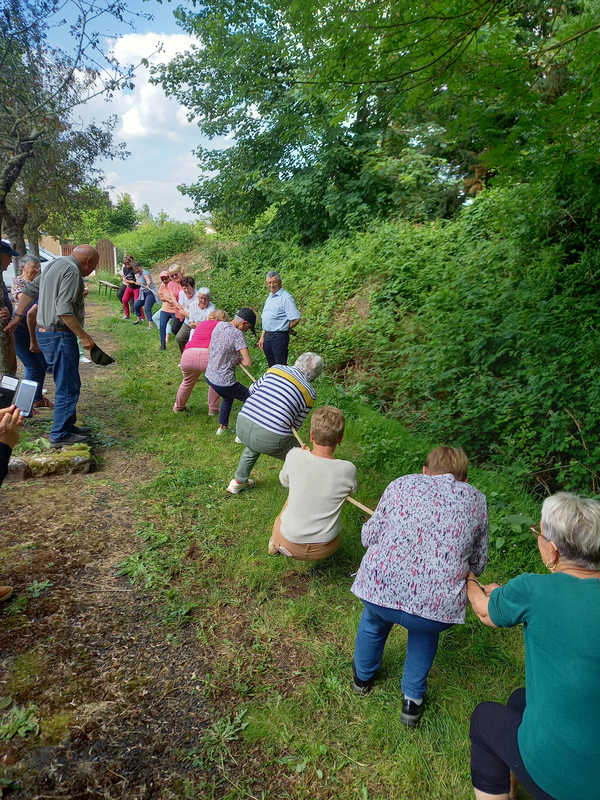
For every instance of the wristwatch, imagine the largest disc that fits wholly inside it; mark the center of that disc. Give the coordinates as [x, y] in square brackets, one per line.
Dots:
[16, 314]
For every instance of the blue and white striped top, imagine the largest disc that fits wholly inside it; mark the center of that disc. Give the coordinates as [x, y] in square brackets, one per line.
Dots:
[280, 399]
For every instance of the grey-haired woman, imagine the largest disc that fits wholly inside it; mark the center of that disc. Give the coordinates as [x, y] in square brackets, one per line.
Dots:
[548, 735]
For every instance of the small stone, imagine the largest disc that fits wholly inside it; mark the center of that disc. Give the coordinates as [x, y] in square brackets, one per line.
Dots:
[18, 469]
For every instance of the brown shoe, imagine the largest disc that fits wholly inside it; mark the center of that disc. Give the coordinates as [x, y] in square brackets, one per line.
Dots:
[5, 592]
[43, 403]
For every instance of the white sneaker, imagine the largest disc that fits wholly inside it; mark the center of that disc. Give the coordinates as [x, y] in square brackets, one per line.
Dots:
[85, 360]
[238, 440]
[221, 431]
[235, 487]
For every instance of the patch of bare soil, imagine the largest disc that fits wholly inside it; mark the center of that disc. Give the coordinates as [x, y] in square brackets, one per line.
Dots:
[123, 700]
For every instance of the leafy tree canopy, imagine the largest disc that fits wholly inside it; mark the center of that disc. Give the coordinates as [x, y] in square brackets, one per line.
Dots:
[351, 110]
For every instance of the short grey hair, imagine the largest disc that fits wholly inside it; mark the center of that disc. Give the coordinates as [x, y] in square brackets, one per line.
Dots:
[273, 274]
[204, 290]
[572, 524]
[25, 261]
[310, 365]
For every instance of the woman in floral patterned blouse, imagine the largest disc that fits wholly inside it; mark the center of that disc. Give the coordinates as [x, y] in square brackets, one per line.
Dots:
[426, 534]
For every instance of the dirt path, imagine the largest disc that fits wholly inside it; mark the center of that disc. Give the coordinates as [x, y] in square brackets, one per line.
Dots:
[115, 689]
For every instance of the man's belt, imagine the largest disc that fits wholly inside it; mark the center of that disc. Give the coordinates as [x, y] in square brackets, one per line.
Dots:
[50, 328]
[274, 333]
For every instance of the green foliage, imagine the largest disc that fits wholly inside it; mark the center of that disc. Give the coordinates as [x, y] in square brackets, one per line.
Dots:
[347, 115]
[94, 216]
[478, 332]
[17, 721]
[154, 241]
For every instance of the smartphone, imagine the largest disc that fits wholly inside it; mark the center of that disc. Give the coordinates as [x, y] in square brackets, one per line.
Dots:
[25, 397]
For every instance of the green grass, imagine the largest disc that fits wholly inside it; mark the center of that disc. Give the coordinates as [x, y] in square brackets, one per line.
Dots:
[281, 632]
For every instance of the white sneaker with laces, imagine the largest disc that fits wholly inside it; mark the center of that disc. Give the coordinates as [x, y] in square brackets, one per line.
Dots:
[221, 431]
[238, 440]
[235, 487]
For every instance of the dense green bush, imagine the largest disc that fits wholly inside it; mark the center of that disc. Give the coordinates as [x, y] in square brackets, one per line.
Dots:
[476, 332]
[152, 242]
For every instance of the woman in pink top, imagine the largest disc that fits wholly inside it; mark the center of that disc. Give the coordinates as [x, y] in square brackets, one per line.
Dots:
[194, 361]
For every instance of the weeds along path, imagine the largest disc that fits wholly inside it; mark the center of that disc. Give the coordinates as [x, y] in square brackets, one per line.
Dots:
[168, 656]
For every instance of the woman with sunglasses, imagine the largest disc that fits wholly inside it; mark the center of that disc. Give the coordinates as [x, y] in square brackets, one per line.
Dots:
[166, 314]
[547, 736]
[174, 287]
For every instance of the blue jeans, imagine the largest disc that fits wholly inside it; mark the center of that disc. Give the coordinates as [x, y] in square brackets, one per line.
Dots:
[275, 347]
[423, 634]
[236, 391]
[147, 303]
[62, 354]
[165, 318]
[34, 364]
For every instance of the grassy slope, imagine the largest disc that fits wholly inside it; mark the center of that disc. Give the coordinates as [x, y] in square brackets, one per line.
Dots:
[204, 553]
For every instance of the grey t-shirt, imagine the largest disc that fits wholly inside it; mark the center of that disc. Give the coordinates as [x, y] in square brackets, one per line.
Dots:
[59, 289]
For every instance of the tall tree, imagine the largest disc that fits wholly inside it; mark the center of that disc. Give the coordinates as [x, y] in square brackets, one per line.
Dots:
[329, 103]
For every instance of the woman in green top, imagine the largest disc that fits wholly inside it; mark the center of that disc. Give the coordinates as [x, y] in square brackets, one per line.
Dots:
[548, 735]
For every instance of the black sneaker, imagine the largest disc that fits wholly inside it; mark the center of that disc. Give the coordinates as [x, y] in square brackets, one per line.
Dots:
[359, 686]
[411, 713]
[72, 438]
[81, 430]
[163, 347]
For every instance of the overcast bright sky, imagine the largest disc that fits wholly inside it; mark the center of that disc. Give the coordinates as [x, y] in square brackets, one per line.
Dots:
[155, 128]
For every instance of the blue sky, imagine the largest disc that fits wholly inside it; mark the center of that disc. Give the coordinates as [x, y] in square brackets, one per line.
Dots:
[157, 133]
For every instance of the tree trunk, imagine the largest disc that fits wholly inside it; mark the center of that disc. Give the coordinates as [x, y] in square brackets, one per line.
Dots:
[34, 246]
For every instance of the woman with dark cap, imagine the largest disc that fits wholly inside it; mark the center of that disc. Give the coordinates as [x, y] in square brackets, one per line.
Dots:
[228, 348]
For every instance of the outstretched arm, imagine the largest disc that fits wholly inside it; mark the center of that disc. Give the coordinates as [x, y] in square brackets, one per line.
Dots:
[479, 597]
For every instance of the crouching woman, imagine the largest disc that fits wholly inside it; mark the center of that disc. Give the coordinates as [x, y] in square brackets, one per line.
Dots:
[308, 528]
[427, 532]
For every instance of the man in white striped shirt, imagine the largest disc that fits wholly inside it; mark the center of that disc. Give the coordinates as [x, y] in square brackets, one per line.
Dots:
[278, 402]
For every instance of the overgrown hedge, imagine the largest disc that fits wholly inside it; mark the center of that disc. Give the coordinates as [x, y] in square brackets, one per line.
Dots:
[152, 243]
[476, 332]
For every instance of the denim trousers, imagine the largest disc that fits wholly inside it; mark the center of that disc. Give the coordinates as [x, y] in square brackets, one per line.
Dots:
[147, 303]
[165, 318]
[423, 634]
[236, 391]
[34, 364]
[62, 354]
[275, 347]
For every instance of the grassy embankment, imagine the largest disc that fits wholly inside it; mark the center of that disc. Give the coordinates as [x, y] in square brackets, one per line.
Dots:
[204, 554]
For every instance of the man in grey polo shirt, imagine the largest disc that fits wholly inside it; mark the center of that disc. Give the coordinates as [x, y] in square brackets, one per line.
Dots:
[60, 291]
[279, 316]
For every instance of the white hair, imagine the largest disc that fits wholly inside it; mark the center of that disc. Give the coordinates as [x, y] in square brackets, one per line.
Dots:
[310, 365]
[25, 261]
[572, 524]
[204, 290]
[273, 274]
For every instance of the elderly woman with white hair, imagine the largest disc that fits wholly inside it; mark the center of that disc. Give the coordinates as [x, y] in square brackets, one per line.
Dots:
[279, 401]
[194, 312]
[547, 736]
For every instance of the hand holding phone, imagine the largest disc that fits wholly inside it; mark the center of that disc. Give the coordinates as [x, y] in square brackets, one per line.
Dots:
[25, 396]
[10, 419]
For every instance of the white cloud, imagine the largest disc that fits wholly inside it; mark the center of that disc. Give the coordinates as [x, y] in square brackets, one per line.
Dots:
[155, 128]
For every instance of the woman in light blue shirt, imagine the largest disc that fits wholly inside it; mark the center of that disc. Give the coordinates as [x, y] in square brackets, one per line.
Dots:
[148, 294]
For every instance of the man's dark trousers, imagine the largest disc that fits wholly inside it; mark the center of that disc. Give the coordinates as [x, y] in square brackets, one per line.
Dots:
[275, 347]
[61, 352]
